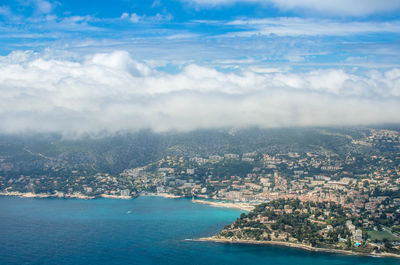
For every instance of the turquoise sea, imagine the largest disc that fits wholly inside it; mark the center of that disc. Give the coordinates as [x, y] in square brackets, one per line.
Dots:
[146, 231]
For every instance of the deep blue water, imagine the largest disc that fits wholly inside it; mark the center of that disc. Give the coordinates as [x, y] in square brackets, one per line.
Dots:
[146, 230]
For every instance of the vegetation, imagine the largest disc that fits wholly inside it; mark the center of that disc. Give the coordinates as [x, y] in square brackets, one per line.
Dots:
[324, 225]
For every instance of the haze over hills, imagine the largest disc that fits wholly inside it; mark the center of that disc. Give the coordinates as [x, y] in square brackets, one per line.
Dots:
[113, 154]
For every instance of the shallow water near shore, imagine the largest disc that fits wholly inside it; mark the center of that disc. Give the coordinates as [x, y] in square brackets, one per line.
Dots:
[145, 230]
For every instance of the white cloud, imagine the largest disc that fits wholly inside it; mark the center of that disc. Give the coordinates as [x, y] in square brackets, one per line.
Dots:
[325, 7]
[310, 27]
[43, 6]
[341, 7]
[182, 36]
[135, 18]
[113, 92]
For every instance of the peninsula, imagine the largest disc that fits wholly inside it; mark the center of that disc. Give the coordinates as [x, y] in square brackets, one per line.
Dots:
[312, 226]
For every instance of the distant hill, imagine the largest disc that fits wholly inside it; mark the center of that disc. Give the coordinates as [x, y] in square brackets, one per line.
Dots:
[37, 153]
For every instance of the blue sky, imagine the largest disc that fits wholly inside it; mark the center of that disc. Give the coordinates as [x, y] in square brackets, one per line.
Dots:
[292, 32]
[128, 64]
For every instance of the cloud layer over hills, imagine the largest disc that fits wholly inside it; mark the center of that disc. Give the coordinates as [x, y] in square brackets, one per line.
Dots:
[112, 92]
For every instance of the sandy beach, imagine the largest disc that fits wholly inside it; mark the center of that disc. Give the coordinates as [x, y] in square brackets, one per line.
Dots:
[296, 245]
[164, 195]
[241, 206]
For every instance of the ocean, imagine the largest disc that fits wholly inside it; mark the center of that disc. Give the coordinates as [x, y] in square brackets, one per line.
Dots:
[145, 231]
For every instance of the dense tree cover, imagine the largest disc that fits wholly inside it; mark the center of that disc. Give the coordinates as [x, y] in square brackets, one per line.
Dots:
[292, 220]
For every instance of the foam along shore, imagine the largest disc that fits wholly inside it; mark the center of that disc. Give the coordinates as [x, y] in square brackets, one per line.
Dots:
[241, 206]
[295, 245]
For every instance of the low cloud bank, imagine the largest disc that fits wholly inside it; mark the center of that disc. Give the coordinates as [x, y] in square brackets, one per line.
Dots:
[113, 92]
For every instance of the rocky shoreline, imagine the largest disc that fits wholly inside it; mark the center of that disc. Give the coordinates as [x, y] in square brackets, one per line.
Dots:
[82, 196]
[61, 195]
[295, 245]
[241, 206]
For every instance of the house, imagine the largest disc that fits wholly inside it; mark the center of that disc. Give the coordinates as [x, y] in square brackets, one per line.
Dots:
[357, 235]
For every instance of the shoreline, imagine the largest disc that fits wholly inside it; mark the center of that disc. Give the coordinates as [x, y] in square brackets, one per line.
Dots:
[82, 196]
[164, 195]
[295, 245]
[115, 197]
[232, 205]
[241, 206]
[45, 195]
[61, 195]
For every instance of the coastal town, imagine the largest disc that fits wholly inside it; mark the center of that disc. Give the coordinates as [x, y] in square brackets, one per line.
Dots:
[350, 202]
[315, 226]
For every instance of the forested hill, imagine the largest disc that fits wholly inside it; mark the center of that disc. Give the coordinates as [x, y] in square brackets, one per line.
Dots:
[38, 153]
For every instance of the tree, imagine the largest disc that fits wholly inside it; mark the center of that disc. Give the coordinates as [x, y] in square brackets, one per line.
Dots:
[388, 244]
[348, 243]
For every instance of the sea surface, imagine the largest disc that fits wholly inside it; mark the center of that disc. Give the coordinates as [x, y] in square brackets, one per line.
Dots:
[145, 231]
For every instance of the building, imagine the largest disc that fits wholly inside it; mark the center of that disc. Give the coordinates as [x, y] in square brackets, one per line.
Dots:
[357, 236]
[231, 156]
[125, 192]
